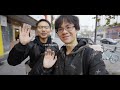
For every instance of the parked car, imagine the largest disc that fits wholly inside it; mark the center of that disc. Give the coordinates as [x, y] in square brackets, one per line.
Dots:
[88, 40]
[108, 41]
[96, 47]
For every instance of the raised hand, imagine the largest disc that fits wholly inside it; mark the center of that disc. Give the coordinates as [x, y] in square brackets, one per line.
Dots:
[49, 59]
[24, 34]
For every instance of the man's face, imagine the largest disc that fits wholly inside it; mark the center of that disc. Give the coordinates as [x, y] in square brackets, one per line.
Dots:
[43, 29]
[67, 33]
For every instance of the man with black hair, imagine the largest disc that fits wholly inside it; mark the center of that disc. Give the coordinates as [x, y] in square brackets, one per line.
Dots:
[34, 49]
[75, 57]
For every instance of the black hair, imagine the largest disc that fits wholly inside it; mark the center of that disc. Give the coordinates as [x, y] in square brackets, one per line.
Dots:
[69, 18]
[43, 20]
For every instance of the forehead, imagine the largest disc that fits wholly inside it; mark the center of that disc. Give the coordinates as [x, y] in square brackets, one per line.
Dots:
[43, 23]
[65, 23]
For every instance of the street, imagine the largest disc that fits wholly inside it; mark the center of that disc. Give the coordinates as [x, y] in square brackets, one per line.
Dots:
[6, 69]
[113, 68]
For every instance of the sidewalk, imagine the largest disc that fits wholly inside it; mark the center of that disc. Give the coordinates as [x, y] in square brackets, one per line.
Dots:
[4, 57]
[7, 69]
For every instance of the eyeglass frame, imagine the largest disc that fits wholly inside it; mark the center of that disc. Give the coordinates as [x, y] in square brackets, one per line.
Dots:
[45, 27]
[71, 28]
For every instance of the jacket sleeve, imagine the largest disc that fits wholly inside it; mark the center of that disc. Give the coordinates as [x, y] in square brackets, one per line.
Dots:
[19, 53]
[96, 64]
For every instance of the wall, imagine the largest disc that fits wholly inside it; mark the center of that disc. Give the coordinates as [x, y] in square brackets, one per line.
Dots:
[1, 43]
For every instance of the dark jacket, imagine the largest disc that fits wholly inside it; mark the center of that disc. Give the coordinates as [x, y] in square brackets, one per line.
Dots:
[35, 50]
[83, 60]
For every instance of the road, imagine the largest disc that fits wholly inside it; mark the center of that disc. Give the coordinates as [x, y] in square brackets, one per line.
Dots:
[6, 69]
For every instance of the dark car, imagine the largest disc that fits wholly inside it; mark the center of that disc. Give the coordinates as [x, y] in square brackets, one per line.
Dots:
[88, 40]
[108, 41]
[96, 47]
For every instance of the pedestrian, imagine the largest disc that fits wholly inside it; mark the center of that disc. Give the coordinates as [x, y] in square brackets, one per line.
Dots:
[75, 57]
[34, 49]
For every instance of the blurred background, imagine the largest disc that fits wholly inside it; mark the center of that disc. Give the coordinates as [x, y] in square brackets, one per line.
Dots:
[98, 30]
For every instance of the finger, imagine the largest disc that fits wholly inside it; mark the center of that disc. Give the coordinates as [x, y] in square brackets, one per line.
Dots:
[20, 29]
[27, 27]
[49, 51]
[53, 53]
[46, 54]
[55, 58]
[24, 27]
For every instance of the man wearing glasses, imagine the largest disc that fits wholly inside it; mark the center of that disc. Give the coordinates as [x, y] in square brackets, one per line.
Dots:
[75, 57]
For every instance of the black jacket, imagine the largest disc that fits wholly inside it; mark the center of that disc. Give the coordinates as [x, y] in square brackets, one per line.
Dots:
[35, 50]
[83, 60]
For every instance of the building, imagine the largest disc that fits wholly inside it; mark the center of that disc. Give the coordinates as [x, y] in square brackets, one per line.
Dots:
[9, 30]
[108, 32]
[113, 32]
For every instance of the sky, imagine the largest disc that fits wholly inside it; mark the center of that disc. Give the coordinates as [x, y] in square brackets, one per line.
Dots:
[85, 20]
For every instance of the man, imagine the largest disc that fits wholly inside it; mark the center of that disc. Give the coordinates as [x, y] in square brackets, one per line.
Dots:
[35, 49]
[75, 57]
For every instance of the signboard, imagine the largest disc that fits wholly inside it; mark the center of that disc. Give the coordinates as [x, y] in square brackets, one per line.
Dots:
[3, 20]
[1, 44]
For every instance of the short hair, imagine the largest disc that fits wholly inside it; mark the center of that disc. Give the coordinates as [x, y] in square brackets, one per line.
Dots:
[69, 18]
[43, 20]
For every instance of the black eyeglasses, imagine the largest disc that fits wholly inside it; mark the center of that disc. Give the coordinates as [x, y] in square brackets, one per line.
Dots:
[68, 28]
[45, 27]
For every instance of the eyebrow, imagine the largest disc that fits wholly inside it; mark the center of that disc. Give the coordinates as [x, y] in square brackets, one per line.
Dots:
[43, 26]
[66, 25]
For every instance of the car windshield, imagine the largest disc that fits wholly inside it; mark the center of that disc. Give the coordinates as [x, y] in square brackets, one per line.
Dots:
[111, 40]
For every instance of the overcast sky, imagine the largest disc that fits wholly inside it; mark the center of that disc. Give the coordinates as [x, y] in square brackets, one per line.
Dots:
[85, 20]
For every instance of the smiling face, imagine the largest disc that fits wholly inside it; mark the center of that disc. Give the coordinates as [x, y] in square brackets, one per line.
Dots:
[43, 29]
[66, 26]
[67, 32]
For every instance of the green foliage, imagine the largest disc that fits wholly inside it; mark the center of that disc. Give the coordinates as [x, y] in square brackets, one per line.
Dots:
[108, 20]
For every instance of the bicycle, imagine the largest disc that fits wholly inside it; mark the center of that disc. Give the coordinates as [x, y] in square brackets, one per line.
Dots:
[110, 55]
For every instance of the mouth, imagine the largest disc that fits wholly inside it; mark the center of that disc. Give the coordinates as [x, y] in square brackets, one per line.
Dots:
[43, 34]
[65, 37]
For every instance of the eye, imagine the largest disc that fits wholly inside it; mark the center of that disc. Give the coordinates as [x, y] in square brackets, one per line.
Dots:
[60, 29]
[39, 27]
[68, 27]
[46, 27]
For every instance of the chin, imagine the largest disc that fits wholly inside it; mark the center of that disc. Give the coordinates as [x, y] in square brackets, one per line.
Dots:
[44, 37]
[66, 41]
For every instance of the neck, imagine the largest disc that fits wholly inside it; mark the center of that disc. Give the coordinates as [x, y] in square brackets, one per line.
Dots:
[71, 46]
[43, 40]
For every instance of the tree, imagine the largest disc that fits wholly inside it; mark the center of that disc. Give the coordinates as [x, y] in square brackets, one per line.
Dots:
[108, 20]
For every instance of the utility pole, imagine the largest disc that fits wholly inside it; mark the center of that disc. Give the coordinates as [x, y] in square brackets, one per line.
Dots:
[95, 29]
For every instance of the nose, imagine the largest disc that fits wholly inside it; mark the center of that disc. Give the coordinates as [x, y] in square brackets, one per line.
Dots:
[43, 29]
[64, 31]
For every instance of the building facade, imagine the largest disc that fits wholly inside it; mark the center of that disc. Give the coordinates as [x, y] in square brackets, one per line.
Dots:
[9, 30]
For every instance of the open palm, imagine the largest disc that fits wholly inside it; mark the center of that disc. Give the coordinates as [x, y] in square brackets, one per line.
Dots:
[24, 34]
[49, 59]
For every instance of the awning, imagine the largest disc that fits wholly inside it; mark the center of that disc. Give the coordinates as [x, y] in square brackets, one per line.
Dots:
[24, 19]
